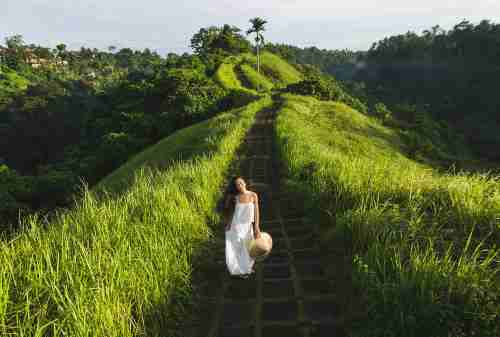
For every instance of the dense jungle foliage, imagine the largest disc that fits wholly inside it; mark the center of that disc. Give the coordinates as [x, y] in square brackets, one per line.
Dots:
[448, 76]
[370, 153]
[68, 116]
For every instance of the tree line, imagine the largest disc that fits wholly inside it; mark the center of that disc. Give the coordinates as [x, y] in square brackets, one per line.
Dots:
[68, 116]
[448, 75]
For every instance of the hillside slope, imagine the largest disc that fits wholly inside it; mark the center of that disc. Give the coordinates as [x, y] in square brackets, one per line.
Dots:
[190, 142]
[411, 251]
[252, 78]
[422, 245]
[240, 73]
[122, 265]
[275, 68]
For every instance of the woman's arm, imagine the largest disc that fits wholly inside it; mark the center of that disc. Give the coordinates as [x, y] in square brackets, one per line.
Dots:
[257, 216]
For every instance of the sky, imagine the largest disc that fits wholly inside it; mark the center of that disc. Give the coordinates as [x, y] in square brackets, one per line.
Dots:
[167, 26]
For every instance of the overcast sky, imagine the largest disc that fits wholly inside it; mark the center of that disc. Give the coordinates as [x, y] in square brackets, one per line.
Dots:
[167, 26]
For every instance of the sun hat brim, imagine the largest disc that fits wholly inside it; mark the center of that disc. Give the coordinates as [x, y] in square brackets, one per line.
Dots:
[261, 247]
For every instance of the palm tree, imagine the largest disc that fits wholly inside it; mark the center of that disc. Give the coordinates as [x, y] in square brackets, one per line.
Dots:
[257, 28]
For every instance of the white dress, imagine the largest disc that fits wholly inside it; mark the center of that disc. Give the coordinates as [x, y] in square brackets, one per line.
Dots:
[238, 260]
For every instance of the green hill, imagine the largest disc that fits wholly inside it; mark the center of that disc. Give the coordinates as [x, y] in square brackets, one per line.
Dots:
[121, 265]
[276, 69]
[11, 81]
[422, 244]
[253, 79]
[185, 144]
[226, 75]
[239, 73]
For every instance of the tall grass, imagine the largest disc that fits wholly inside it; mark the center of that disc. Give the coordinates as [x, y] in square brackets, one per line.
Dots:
[423, 244]
[239, 95]
[280, 72]
[275, 72]
[226, 76]
[256, 80]
[182, 145]
[120, 265]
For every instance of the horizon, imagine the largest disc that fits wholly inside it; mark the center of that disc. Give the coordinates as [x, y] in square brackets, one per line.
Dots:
[355, 27]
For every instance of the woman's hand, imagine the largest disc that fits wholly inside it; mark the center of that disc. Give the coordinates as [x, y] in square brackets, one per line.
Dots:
[257, 234]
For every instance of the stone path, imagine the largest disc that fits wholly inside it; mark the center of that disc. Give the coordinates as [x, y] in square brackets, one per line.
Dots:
[289, 295]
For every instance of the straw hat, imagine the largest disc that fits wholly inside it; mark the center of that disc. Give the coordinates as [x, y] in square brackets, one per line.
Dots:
[260, 248]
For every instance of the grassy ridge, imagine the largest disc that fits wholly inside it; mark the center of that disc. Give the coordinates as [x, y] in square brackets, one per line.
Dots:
[279, 69]
[181, 145]
[226, 76]
[276, 69]
[254, 79]
[121, 266]
[275, 72]
[423, 244]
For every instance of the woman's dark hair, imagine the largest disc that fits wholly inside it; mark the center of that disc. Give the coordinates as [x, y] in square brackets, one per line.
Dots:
[228, 202]
[232, 189]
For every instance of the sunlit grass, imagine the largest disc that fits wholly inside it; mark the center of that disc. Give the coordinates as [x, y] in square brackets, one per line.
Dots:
[275, 72]
[11, 82]
[181, 145]
[275, 68]
[121, 265]
[226, 76]
[257, 81]
[424, 244]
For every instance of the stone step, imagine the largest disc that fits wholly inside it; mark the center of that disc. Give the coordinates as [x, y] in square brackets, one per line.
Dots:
[276, 271]
[280, 329]
[290, 294]
[237, 313]
[286, 309]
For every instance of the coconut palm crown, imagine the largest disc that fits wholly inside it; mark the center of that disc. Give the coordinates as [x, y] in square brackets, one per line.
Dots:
[257, 28]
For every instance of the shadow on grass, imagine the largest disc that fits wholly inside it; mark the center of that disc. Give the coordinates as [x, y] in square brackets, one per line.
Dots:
[242, 78]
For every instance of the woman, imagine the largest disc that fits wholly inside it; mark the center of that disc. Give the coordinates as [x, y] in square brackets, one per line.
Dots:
[244, 205]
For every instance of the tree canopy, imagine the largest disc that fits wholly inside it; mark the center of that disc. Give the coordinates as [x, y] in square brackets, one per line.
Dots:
[225, 39]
